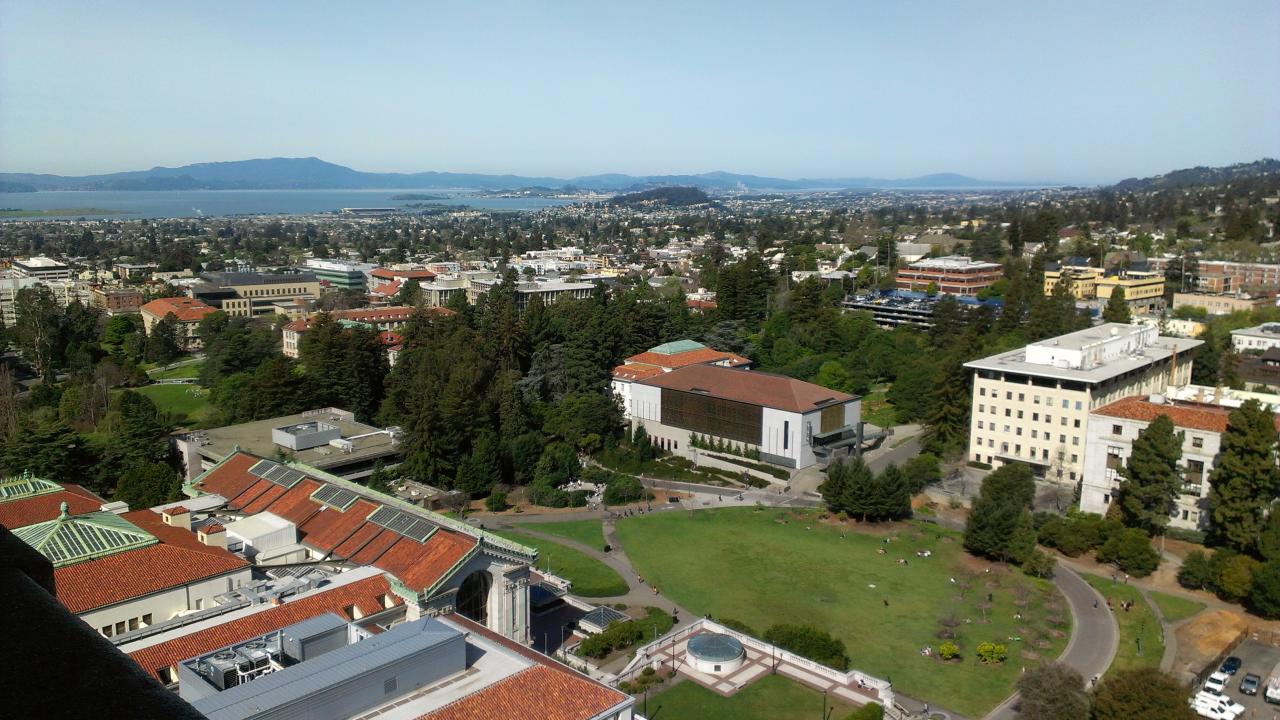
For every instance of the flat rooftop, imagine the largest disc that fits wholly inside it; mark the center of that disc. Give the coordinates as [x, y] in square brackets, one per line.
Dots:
[255, 437]
[1092, 356]
[1265, 330]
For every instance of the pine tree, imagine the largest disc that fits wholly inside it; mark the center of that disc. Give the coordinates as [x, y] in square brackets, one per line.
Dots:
[997, 526]
[891, 494]
[948, 419]
[1151, 477]
[1245, 479]
[835, 488]
[1117, 310]
[859, 498]
[1207, 366]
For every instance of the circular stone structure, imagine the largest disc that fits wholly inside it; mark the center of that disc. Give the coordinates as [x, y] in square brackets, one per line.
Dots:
[715, 653]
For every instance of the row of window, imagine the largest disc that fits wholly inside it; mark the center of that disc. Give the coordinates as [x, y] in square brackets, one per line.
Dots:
[1035, 416]
[1017, 450]
[1035, 399]
[1035, 434]
[124, 626]
[1197, 441]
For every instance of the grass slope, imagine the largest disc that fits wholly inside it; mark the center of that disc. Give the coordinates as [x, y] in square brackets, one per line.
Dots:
[747, 565]
[191, 370]
[590, 577]
[1175, 608]
[772, 697]
[186, 403]
[1139, 622]
[587, 532]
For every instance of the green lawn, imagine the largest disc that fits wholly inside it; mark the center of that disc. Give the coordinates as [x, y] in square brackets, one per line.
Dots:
[587, 532]
[1175, 608]
[1139, 622]
[748, 565]
[877, 411]
[191, 370]
[772, 697]
[590, 577]
[186, 403]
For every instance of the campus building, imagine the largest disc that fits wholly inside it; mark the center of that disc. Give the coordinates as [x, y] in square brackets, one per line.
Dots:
[328, 439]
[1223, 304]
[383, 319]
[789, 422]
[117, 570]
[116, 301]
[549, 290]
[665, 358]
[952, 275]
[188, 312]
[341, 275]
[1114, 427]
[251, 294]
[1243, 275]
[43, 268]
[1143, 290]
[1032, 405]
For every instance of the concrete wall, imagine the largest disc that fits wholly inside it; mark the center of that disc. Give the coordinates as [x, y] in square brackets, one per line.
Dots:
[164, 605]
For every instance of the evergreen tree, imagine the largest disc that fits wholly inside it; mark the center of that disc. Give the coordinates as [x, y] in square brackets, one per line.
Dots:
[948, 420]
[860, 489]
[1141, 694]
[1117, 310]
[1001, 513]
[147, 484]
[891, 495]
[1245, 479]
[162, 344]
[485, 464]
[1264, 590]
[49, 449]
[1053, 692]
[1151, 478]
[1207, 366]
[835, 489]
[410, 294]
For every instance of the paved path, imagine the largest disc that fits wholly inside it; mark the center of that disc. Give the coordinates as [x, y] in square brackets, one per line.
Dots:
[1095, 637]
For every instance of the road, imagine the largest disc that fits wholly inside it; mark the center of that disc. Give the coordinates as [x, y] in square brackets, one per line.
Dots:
[1095, 637]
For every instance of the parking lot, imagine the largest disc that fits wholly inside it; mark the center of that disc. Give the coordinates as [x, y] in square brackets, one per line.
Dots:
[1259, 659]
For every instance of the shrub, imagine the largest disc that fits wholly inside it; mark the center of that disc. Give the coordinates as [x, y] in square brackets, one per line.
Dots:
[1038, 564]
[738, 625]
[948, 651]
[992, 653]
[621, 489]
[1235, 577]
[810, 642]
[1264, 594]
[1130, 550]
[979, 465]
[497, 501]
[1196, 571]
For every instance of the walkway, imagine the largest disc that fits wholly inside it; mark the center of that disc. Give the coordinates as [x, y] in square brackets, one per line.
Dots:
[1095, 636]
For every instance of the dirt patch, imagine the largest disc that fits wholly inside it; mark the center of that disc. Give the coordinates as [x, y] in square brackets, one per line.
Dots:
[1204, 636]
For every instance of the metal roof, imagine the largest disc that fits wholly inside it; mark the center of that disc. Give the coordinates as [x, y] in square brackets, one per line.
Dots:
[71, 539]
[299, 681]
[679, 346]
[24, 486]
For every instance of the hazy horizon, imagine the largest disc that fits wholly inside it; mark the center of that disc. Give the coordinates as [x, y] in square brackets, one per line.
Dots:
[1082, 93]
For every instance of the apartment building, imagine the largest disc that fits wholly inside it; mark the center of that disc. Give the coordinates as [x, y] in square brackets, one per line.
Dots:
[1220, 304]
[1111, 431]
[1256, 338]
[1032, 405]
[1143, 290]
[1243, 275]
[1083, 279]
[953, 275]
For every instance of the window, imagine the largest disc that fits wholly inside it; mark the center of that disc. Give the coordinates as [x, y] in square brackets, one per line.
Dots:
[1017, 449]
[1064, 421]
[1197, 442]
[199, 603]
[1007, 412]
[1035, 417]
[1048, 419]
[1117, 430]
[1018, 431]
[146, 619]
[786, 434]
[1022, 397]
[982, 408]
[1008, 396]
[133, 623]
[120, 627]
[1075, 440]
[979, 424]
[1076, 422]
[106, 630]
[982, 392]
[1062, 439]
[1079, 405]
[1035, 434]
[1035, 399]
[1019, 414]
[1064, 404]
[1075, 458]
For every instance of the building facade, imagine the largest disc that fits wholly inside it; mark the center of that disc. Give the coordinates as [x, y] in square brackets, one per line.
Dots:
[1032, 405]
[1257, 338]
[116, 301]
[1219, 304]
[1251, 276]
[952, 275]
[187, 312]
[249, 294]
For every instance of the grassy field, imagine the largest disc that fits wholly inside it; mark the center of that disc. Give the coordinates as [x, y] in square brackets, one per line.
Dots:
[1175, 608]
[772, 697]
[587, 532]
[182, 371]
[1137, 623]
[186, 403]
[877, 411]
[590, 577]
[770, 566]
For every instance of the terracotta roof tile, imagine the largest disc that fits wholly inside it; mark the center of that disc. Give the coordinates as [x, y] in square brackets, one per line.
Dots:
[296, 505]
[749, 386]
[701, 356]
[231, 477]
[263, 499]
[364, 594]
[636, 371]
[357, 540]
[329, 527]
[376, 547]
[41, 508]
[420, 565]
[1194, 416]
[536, 691]
[184, 308]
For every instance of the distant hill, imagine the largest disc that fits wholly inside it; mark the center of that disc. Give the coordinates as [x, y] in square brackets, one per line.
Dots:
[669, 196]
[1190, 177]
[16, 187]
[314, 173]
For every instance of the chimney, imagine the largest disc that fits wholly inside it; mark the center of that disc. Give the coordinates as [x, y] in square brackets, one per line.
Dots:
[177, 516]
[213, 535]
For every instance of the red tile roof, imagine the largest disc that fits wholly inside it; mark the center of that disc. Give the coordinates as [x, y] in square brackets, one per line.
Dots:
[387, 289]
[554, 690]
[420, 565]
[366, 595]
[40, 508]
[749, 386]
[1193, 416]
[700, 356]
[388, 274]
[636, 371]
[178, 559]
[701, 304]
[184, 308]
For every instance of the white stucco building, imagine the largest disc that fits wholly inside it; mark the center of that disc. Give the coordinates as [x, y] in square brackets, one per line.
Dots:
[1031, 405]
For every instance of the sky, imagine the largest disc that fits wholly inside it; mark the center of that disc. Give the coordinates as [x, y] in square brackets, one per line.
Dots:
[1080, 91]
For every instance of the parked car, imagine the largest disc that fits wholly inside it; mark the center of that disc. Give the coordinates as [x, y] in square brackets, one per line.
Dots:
[1230, 665]
[1216, 707]
[1249, 685]
[1217, 683]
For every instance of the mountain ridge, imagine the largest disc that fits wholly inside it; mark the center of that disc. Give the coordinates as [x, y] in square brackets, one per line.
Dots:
[312, 173]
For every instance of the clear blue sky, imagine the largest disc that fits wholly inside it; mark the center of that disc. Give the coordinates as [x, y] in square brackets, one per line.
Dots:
[1024, 90]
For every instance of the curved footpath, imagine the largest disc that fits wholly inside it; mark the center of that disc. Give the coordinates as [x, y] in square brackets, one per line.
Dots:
[1095, 636]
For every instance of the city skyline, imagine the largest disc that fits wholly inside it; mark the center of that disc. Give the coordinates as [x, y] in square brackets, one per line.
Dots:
[995, 91]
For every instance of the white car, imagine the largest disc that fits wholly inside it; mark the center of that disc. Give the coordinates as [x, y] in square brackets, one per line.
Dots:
[1216, 707]
[1217, 683]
